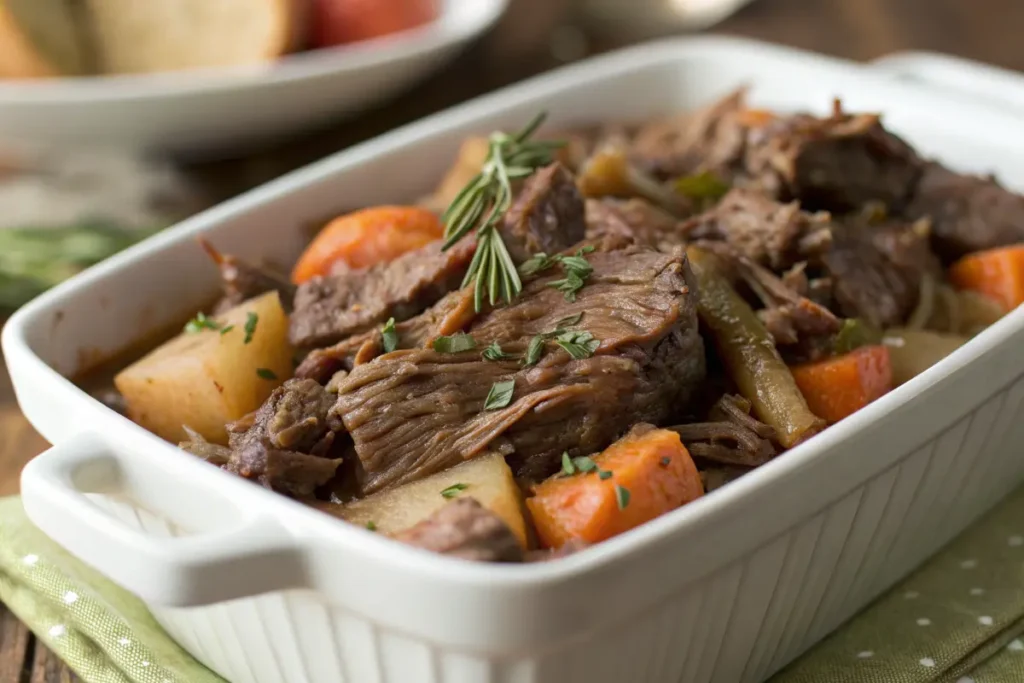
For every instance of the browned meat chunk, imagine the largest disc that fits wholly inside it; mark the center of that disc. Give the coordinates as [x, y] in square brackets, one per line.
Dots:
[837, 163]
[463, 528]
[968, 213]
[546, 217]
[415, 412]
[765, 231]
[329, 309]
[242, 281]
[286, 444]
[876, 268]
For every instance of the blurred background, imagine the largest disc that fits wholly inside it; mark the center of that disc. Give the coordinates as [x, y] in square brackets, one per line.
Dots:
[66, 201]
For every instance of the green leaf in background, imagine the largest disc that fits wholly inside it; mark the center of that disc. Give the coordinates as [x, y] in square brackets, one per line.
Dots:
[34, 259]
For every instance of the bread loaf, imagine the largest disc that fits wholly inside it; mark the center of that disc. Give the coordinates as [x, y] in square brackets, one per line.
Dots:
[41, 38]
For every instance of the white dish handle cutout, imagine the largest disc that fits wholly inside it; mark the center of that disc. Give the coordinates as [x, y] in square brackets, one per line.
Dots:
[963, 77]
[236, 552]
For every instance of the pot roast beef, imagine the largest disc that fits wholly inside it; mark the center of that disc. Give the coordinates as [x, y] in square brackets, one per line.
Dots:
[331, 308]
[835, 163]
[414, 412]
[546, 216]
[466, 529]
[286, 444]
[968, 213]
[242, 281]
[767, 232]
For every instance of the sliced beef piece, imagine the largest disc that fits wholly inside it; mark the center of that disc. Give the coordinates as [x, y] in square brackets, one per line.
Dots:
[464, 528]
[242, 281]
[451, 314]
[633, 219]
[329, 309]
[877, 267]
[213, 453]
[968, 213]
[731, 436]
[788, 315]
[415, 412]
[547, 215]
[286, 444]
[765, 231]
[837, 163]
[711, 139]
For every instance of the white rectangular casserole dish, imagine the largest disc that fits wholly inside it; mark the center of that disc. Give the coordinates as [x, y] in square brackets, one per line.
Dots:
[727, 589]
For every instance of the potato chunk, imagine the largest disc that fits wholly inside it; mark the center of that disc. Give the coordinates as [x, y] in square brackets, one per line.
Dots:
[486, 478]
[206, 379]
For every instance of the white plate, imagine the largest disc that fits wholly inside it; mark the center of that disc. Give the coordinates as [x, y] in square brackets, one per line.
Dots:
[727, 589]
[213, 109]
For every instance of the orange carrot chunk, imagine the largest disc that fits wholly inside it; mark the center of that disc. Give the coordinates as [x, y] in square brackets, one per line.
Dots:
[996, 273]
[643, 475]
[365, 238]
[837, 387]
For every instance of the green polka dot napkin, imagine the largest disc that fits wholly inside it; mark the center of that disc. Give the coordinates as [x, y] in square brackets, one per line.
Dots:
[958, 619]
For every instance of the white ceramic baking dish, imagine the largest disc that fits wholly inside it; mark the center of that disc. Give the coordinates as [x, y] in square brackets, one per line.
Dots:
[727, 589]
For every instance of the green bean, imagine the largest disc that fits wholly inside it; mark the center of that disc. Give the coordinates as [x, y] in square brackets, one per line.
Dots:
[749, 354]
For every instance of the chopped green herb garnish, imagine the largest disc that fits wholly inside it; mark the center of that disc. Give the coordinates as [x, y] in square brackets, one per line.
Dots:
[200, 323]
[250, 325]
[666, 461]
[456, 343]
[704, 186]
[500, 395]
[621, 496]
[536, 264]
[371, 526]
[568, 469]
[453, 490]
[578, 344]
[568, 285]
[266, 373]
[534, 350]
[494, 352]
[604, 474]
[584, 464]
[225, 330]
[389, 335]
[568, 321]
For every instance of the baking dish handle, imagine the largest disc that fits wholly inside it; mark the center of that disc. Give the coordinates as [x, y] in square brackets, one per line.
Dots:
[238, 554]
[956, 76]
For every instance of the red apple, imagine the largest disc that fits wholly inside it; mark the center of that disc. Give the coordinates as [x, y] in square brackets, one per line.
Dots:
[336, 22]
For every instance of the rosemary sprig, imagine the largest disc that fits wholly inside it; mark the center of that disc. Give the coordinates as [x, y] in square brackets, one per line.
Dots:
[483, 202]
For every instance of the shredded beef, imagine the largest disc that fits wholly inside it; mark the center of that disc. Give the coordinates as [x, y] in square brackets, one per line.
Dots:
[731, 436]
[286, 444]
[635, 220]
[709, 139]
[415, 412]
[463, 528]
[765, 231]
[968, 213]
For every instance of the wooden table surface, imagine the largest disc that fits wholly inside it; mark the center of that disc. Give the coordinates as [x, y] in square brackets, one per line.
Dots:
[986, 30]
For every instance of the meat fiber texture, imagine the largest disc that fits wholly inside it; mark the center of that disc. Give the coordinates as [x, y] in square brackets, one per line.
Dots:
[414, 412]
